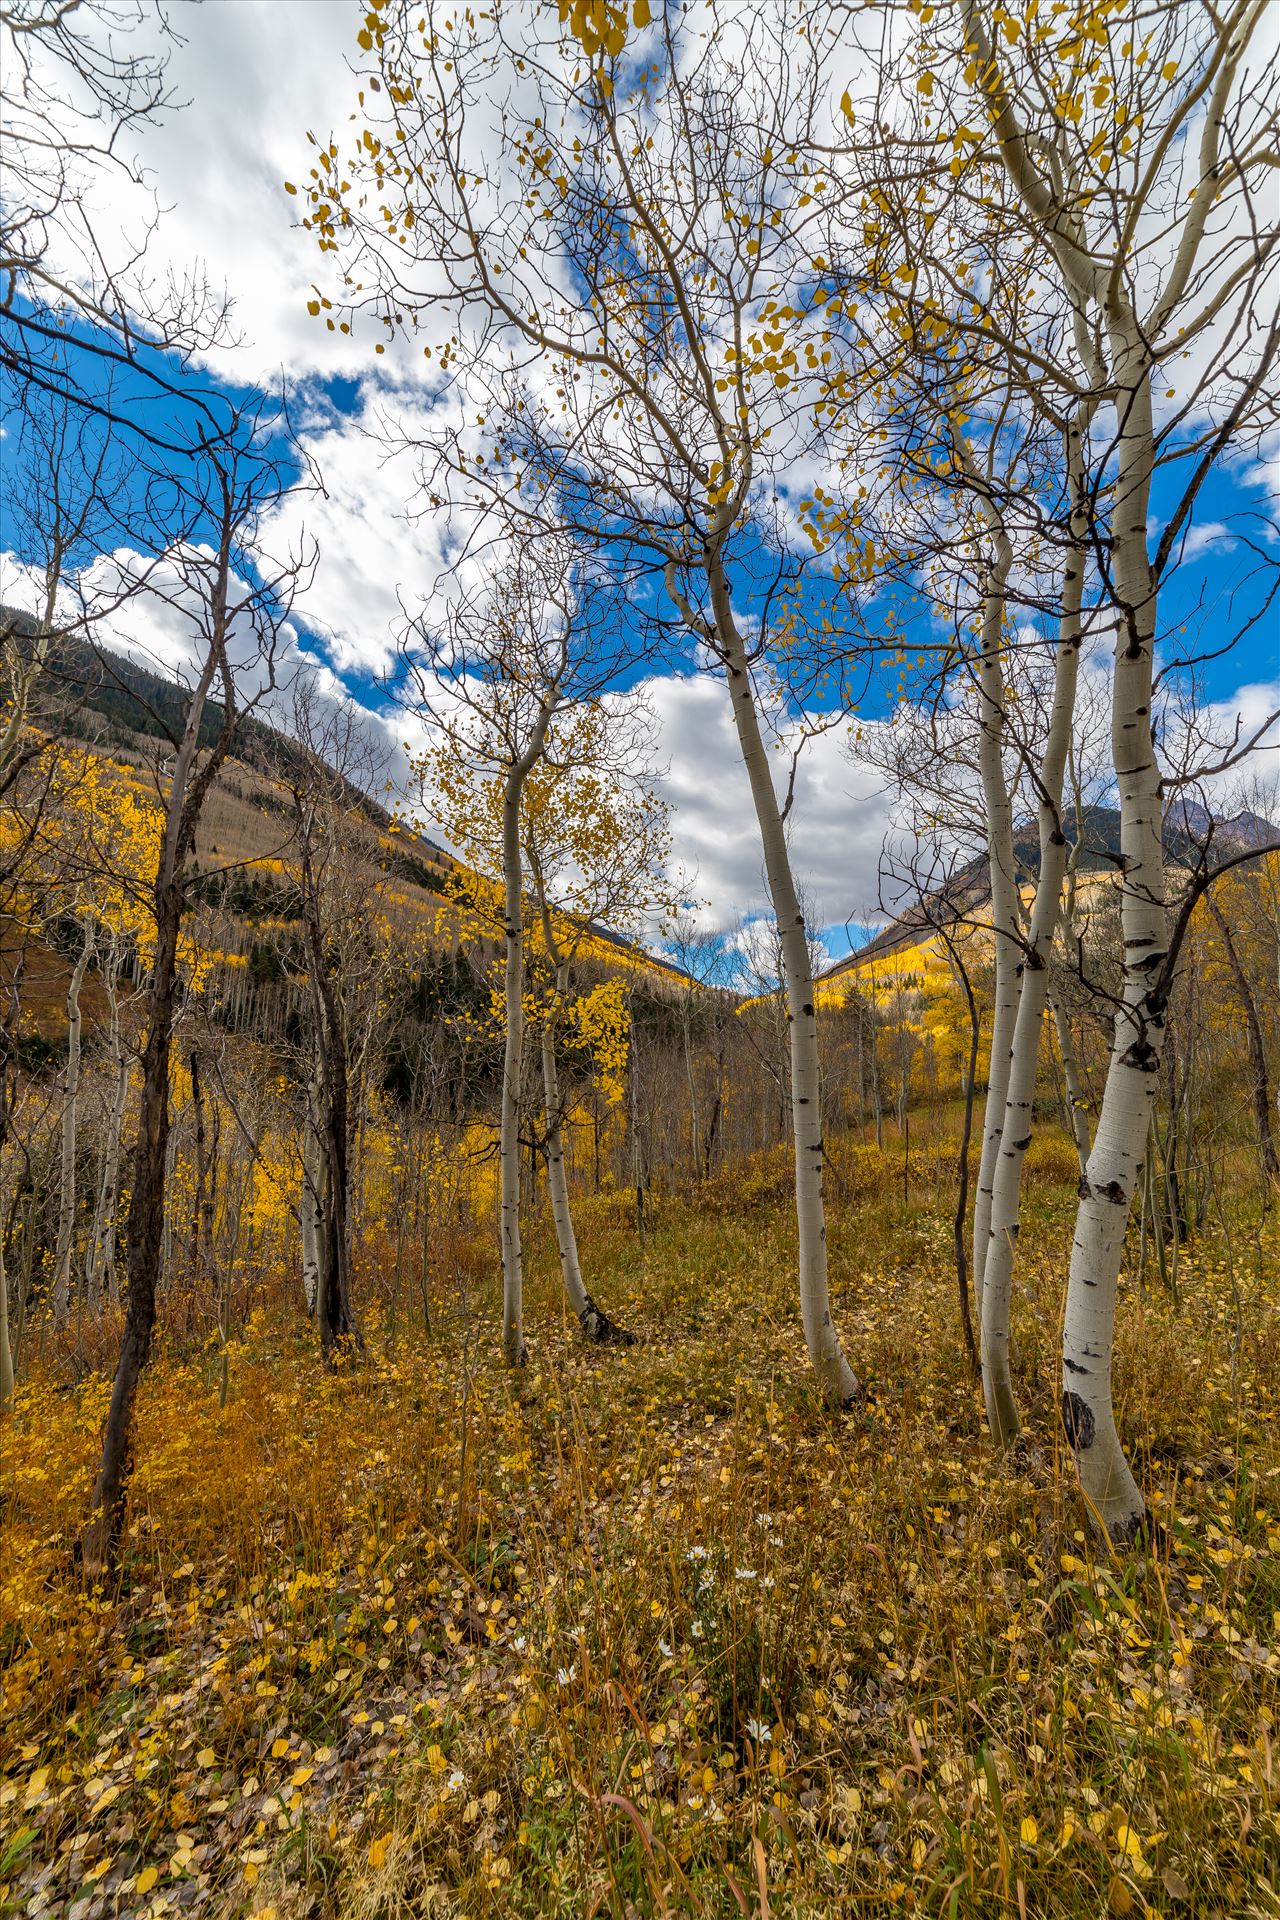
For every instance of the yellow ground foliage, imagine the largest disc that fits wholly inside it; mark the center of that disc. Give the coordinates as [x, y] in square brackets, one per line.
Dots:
[646, 1632]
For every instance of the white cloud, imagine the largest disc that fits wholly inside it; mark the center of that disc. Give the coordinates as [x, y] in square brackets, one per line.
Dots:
[254, 79]
[838, 820]
[152, 613]
[1206, 536]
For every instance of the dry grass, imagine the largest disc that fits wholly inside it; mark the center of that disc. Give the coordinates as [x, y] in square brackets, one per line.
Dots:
[646, 1632]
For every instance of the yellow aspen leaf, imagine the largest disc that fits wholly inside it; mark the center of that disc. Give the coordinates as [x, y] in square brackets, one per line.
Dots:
[1030, 1831]
[924, 85]
[640, 13]
[378, 1850]
[146, 1880]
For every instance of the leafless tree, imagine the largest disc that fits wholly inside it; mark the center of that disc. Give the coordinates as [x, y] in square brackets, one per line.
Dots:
[234, 597]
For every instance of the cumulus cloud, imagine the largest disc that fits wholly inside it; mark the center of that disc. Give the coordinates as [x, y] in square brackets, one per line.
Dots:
[838, 819]
[254, 80]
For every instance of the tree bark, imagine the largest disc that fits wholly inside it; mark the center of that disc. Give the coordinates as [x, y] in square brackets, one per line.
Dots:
[145, 1227]
[1004, 921]
[1124, 1121]
[338, 1326]
[310, 1212]
[70, 1118]
[6, 1351]
[145, 1230]
[1259, 1083]
[593, 1320]
[1033, 981]
[595, 1323]
[836, 1377]
[202, 1168]
[966, 1140]
[513, 1347]
[1076, 1101]
[100, 1278]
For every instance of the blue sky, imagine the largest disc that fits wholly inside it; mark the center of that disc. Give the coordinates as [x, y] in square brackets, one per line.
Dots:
[259, 74]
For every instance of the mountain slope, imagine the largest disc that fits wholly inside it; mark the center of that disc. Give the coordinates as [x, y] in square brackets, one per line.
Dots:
[1190, 831]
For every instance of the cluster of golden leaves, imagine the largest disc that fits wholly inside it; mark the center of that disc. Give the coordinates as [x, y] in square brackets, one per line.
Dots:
[651, 1621]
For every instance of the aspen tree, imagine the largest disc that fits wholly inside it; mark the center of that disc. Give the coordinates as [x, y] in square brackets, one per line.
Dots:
[342, 943]
[61, 1290]
[1035, 238]
[310, 1204]
[236, 620]
[509, 661]
[1008, 751]
[328, 769]
[978, 498]
[595, 839]
[100, 1266]
[630, 254]
[1136, 149]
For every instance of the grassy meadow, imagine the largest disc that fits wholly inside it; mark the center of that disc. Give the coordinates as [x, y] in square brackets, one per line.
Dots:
[646, 1632]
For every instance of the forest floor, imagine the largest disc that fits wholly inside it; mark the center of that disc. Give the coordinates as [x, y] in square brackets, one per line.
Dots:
[646, 1632]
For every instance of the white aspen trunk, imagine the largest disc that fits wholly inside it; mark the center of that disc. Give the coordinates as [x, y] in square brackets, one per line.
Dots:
[836, 1377]
[100, 1276]
[1124, 1120]
[309, 1201]
[513, 1347]
[70, 1115]
[1005, 917]
[1032, 988]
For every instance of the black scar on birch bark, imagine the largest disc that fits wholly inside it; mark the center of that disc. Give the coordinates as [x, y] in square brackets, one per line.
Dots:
[1077, 1422]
